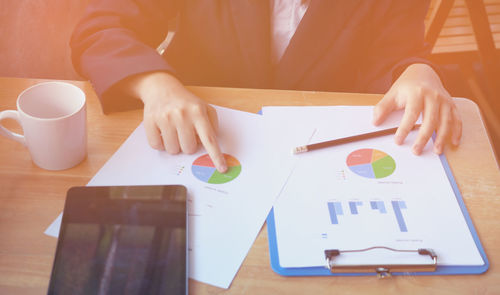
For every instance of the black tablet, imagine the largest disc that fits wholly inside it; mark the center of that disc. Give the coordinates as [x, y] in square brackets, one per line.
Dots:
[122, 240]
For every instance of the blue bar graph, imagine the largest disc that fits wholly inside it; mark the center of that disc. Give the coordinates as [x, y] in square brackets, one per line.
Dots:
[397, 206]
[353, 205]
[378, 205]
[335, 209]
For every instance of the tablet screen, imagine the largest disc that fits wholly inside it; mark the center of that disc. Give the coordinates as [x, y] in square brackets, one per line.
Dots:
[122, 240]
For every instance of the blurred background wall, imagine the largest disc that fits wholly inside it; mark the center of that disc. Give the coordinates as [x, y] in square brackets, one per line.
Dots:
[34, 36]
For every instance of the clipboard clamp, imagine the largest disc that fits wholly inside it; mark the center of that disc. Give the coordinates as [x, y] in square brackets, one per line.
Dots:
[382, 270]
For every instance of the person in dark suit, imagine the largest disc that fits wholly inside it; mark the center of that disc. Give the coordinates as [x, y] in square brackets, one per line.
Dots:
[323, 45]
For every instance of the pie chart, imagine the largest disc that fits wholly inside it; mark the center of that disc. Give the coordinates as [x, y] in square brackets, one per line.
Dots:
[204, 169]
[371, 163]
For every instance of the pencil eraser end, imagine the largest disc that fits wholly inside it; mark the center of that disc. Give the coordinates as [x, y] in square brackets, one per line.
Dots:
[299, 149]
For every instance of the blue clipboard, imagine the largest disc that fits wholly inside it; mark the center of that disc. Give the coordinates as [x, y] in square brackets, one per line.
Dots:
[440, 270]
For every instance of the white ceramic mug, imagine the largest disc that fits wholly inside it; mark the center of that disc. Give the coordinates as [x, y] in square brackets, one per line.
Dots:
[53, 118]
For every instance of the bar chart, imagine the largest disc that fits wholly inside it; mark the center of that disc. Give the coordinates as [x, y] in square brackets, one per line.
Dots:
[336, 210]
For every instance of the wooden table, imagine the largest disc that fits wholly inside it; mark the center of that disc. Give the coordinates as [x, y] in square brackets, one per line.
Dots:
[31, 198]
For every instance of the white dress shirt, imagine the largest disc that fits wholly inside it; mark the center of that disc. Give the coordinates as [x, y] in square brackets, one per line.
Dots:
[285, 18]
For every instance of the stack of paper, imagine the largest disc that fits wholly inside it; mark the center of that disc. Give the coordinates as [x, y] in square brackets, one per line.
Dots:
[362, 194]
[226, 212]
[370, 192]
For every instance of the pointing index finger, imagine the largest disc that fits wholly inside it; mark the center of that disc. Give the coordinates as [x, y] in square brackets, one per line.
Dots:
[209, 140]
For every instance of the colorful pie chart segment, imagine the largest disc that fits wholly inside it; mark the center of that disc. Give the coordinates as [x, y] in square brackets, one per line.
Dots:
[204, 169]
[371, 163]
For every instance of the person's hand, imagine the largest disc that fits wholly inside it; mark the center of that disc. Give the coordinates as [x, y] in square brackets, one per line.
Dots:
[174, 118]
[419, 90]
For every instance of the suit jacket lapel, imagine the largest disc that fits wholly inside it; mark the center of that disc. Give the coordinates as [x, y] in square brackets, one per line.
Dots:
[317, 31]
[252, 24]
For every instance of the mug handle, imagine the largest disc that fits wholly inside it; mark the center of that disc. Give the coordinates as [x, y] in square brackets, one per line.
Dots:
[7, 133]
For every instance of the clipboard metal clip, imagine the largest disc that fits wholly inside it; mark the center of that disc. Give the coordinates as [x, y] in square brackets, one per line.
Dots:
[382, 270]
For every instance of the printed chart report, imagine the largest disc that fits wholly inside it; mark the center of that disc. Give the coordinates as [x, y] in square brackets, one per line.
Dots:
[363, 194]
[226, 211]
[408, 205]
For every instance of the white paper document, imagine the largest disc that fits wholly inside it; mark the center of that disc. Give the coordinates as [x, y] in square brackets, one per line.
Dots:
[361, 194]
[226, 211]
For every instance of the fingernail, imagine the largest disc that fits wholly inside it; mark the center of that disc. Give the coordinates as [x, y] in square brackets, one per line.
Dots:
[417, 149]
[222, 168]
[398, 139]
[438, 149]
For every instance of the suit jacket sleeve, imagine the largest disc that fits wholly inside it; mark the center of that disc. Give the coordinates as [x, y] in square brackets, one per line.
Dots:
[399, 42]
[116, 39]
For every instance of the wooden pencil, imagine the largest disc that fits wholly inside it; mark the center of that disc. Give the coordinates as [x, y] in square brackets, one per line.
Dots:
[329, 143]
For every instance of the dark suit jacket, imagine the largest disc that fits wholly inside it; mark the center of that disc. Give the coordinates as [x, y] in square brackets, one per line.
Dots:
[340, 45]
